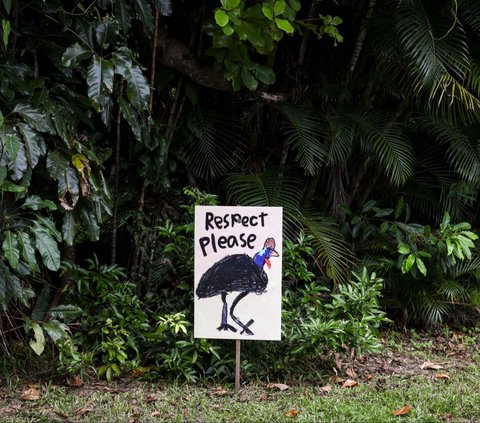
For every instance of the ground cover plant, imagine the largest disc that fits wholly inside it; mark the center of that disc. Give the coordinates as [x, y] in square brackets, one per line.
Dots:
[416, 378]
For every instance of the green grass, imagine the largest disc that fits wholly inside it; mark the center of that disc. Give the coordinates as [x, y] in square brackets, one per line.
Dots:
[396, 379]
[430, 399]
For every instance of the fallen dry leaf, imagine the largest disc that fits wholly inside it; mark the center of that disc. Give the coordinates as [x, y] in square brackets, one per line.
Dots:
[280, 386]
[218, 392]
[8, 410]
[350, 383]
[442, 376]
[351, 373]
[404, 410]
[61, 414]
[82, 411]
[151, 398]
[76, 382]
[155, 413]
[336, 379]
[139, 371]
[326, 388]
[30, 394]
[369, 377]
[428, 365]
[292, 413]
[264, 397]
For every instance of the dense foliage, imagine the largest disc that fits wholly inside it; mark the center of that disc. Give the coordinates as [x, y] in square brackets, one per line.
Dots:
[359, 118]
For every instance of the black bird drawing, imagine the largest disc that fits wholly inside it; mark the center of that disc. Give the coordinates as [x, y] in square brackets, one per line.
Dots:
[237, 273]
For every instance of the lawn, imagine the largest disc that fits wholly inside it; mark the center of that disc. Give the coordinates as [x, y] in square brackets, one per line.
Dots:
[423, 379]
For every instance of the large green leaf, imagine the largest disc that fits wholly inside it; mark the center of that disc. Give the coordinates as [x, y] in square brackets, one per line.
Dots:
[91, 224]
[130, 116]
[34, 118]
[68, 227]
[122, 59]
[248, 79]
[34, 202]
[144, 11]
[48, 248]
[49, 226]
[106, 31]
[10, 248]
[11, 143]
[99, 77]
[56, 330]
[123, 14]
[19, 166]
[138, 90]
[28, 251]
[75, 54]
[68, 184]
[263, 73]
[8, 5]
[34, 144]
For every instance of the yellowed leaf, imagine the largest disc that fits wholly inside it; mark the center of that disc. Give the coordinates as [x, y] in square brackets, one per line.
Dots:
[350, 383]
[442, 376]
[428, 365]
[30, 394]
[292, 413]
[402, 411]
[326, 388]
[280, 386]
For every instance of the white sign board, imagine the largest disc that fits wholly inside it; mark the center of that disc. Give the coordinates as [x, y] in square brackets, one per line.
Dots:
[238, 272]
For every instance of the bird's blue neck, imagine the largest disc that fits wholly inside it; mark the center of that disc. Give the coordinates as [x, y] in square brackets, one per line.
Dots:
[260, 257]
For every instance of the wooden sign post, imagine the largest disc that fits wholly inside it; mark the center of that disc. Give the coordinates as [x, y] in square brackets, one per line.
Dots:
[238, 274]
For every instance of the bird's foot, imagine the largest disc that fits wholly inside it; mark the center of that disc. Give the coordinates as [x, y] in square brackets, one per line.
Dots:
[245, 328]
[226, 326]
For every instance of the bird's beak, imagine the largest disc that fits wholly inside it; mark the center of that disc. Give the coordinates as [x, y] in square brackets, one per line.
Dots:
[273, 254]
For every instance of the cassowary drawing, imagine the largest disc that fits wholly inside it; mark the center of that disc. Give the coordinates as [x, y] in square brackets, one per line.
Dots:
[239, 273]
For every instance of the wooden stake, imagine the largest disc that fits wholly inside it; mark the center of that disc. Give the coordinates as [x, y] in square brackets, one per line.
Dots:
[237, 365]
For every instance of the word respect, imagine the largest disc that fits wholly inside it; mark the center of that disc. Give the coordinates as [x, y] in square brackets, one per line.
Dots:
[230, 220]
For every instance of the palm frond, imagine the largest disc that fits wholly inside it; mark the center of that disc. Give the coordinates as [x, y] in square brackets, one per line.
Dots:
[388, 144]
[267, 189]
[305, 133]
[469, 12]
[452, 290]
[467, 268]
[334, 252]
[341, 139]
[212, 144]
[428, 308]
[462, 151]
[436, 44]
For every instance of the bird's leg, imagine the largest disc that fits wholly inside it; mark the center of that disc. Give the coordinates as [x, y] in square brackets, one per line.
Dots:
[224, 325]
[236, 319]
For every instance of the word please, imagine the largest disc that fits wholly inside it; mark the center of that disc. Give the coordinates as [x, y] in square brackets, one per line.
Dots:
[223, 242]
[230, 220]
